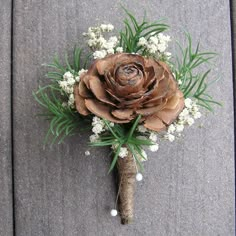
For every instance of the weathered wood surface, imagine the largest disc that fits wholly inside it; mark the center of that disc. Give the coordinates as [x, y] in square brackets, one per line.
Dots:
[233, 22]
[6, 226]
[188, 187]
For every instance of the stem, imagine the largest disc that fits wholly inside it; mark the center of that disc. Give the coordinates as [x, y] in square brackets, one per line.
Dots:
[127, 171]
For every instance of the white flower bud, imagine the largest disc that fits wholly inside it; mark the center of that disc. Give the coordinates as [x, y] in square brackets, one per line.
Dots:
[119, 49]
[153, 40]
[190, 121]
[71, 81]
[110, 27]
[142, 42]
[99, 54]
[93, 138]
[170, 137]
[123, 152]
[98, 128]
[110, 51]
[142, 129]
[77, 78]
[154, 148]
[87, 153]
[179, 82]
[153, 137]
[171, 128]
[82, 71]
[179, 128]
[188, 103]
[197, 115]
[67, 75]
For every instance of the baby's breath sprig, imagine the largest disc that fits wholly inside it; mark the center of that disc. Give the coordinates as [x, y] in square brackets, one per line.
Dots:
[99, 44]
[64, 75]
[121, 137]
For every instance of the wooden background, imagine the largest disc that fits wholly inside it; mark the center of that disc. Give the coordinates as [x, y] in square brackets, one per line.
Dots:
[188, 186]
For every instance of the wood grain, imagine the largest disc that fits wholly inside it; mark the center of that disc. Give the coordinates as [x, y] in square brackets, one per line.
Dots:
[188, 186]
[6, 222]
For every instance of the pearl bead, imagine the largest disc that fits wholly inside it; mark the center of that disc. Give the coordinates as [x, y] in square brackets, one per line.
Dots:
[139, 177]
[87, 153]
[113, 212]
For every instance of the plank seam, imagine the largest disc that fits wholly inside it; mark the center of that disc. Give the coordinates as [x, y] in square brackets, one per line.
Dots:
[12, 121]
[233, 46]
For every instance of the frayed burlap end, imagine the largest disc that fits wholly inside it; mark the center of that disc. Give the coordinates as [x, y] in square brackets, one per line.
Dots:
[127, 172]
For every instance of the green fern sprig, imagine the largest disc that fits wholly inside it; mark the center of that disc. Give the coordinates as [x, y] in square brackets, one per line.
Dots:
[64, 121]
[61, 69]
[194, 85]
[133, 31]
[122, 135]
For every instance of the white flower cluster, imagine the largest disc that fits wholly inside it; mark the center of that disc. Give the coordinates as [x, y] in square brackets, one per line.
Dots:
[68, 82]
[98, 127]
[77, 78]
[123, 152]
[99, 44]
[151, 135]
[186, 117]
[67, 85]
[156, 44]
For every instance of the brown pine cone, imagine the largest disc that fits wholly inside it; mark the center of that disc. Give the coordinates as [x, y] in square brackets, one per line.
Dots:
[119, 87]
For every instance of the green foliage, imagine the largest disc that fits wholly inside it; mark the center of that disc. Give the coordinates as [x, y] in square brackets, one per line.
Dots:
[120, 136]
[73, 67]
[64, 121]
[194, 84]
[133, 31]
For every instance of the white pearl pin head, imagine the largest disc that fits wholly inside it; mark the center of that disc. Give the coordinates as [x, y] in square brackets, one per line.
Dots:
[139, 177]
[114, 212]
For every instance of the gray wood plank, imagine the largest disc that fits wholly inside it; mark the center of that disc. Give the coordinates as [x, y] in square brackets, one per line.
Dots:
[233, 21]
[188, 187]
[6, 226]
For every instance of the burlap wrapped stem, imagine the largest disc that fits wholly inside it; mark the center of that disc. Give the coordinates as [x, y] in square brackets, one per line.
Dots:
[122, 86]
[127, 172]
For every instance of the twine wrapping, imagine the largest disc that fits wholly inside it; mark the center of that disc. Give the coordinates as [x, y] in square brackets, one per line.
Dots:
[127, 172]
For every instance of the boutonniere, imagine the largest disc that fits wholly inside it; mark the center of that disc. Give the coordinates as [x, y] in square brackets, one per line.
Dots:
[131, 92]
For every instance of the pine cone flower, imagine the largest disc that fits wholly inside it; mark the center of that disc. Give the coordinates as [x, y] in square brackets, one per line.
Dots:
[121, 86]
